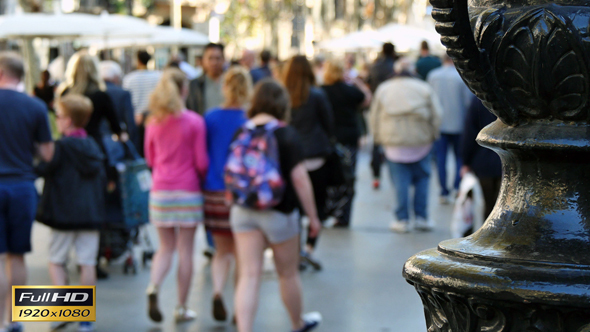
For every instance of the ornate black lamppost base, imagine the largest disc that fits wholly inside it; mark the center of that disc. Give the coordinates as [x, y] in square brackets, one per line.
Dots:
[528, 268]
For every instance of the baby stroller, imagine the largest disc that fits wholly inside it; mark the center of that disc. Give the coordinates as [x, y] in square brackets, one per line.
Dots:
[127, 208]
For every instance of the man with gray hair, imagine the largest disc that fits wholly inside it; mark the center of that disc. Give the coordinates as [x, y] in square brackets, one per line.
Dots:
[24, 129]
[404, 118]
[248, 59]
[111, 73]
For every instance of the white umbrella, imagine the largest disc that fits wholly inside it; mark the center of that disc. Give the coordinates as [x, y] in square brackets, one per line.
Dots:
[74, 25]
[162, 36]
[27, 26]
[353, 41]
[31, 25]
[124, 26]
[168, 36]
[406, 38]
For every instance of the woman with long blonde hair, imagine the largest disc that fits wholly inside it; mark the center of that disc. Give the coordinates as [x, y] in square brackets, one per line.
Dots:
[83, 77]
[176, 149]
[222, 123]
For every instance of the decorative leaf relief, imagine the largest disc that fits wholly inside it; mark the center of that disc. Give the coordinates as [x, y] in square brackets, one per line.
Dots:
[453, 24]
[462, 320]
[541, 68]
[567, 82]
[489, 27]
[435, 317]
[452, 312]
[516, 71]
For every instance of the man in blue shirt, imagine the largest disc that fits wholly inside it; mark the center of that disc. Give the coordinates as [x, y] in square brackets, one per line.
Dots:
[24, 130]
[263, 71]
[455, 98]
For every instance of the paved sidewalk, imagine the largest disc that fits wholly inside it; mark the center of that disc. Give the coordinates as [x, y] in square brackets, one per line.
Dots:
[360, 289]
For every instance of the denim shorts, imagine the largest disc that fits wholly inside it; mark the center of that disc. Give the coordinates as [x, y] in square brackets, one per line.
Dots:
[277, 227]
[18, 206]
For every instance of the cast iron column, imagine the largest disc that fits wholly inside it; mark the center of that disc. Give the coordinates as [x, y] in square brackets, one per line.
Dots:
[528, 268]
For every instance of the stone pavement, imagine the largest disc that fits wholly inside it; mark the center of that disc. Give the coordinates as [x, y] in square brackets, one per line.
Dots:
[360, 289]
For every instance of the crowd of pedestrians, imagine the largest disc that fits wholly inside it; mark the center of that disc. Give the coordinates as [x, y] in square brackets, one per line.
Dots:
[253, 152]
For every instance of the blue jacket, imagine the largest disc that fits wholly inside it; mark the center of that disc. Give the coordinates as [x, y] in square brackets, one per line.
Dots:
[124, 108]
[75, 181]
[260, 73]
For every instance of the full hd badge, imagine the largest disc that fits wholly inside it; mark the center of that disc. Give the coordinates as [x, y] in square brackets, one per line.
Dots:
[54, 303]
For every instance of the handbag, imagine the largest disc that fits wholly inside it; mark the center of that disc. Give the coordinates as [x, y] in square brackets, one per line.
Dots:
[468, 212]
[339, 161]
[341, 180]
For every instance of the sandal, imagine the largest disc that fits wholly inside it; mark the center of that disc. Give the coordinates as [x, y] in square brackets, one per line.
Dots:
[182, 314]
[153, 310]
[219, 312]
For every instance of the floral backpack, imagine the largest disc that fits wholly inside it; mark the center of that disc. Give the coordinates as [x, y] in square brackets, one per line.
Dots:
[252, 172]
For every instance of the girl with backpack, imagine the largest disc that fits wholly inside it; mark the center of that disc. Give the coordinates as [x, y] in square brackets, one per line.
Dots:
[266, 176]
[313, 119]
[176, 149]
[222, 124]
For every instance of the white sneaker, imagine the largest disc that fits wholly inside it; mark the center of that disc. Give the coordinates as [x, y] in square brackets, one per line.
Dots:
[424, 225]
[401, 226]
[311, 320]
[269, 263]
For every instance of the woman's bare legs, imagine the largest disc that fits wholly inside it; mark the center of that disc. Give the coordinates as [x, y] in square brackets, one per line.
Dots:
[220, 268]
[249, 250]
[286, 257]
[186, 242]
[160, 267]
[163, 257]
[58, 274]
[221, 264]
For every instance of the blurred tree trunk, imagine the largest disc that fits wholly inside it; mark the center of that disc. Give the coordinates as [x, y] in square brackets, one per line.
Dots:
[272, 17]
[129, 6]
[273, 12]
[357, 15]
[32, 72]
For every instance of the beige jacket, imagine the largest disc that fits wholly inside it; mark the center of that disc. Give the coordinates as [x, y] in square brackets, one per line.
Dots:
[405, 112]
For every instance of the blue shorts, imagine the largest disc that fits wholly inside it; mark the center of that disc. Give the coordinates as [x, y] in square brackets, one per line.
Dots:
[18, 206]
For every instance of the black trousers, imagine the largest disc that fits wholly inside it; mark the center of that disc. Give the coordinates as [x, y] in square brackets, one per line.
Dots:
[491, 190]
[319, 181]
[377, 159]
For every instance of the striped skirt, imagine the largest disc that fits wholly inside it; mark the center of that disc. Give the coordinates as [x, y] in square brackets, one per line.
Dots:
[176, 208]
[217, 212]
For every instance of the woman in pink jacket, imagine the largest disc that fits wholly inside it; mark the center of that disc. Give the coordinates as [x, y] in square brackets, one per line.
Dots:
[175, 148]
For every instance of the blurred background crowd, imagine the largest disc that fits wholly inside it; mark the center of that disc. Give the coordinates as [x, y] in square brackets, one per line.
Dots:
[320, 82]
